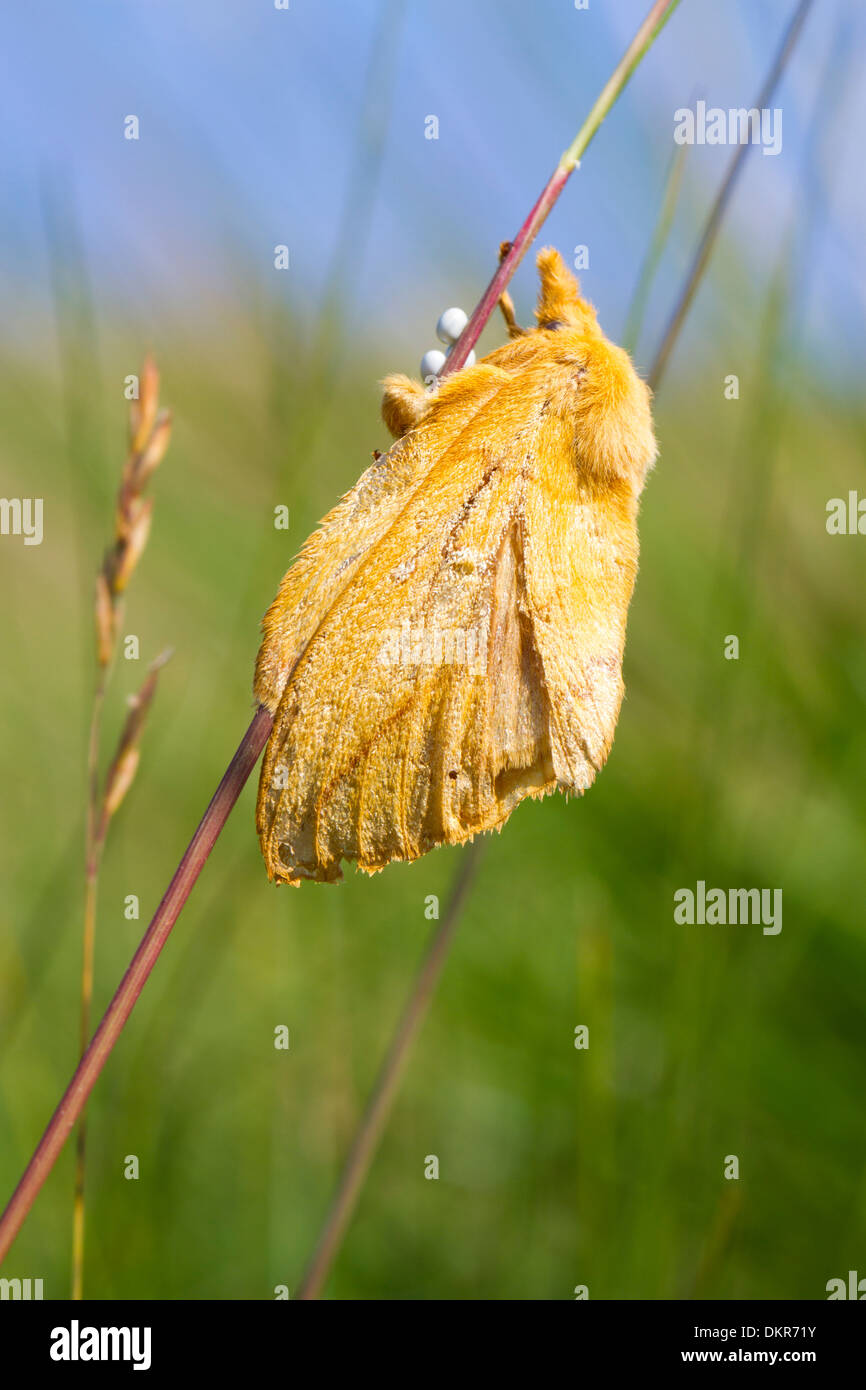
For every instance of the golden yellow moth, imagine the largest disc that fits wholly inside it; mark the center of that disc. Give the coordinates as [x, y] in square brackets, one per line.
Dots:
[450, 640]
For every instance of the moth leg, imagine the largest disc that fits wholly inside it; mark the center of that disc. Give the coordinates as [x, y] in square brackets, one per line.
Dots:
[506, 303]
[507, 307]
[404, 403]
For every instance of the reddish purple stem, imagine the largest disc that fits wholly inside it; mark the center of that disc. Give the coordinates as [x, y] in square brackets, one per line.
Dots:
[507, 266]
[75, 1096]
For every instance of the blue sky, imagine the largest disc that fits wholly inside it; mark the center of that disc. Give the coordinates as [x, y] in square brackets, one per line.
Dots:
[260, 126]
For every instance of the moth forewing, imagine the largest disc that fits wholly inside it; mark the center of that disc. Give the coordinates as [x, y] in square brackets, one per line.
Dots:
[450, 641]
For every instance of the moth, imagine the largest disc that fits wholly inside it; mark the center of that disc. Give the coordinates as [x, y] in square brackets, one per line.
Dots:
[450, 640]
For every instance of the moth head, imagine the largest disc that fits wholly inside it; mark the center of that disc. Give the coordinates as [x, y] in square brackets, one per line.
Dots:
[597, 386]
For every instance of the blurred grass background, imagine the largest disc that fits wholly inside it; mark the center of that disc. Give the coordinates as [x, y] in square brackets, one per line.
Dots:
[557, 1167]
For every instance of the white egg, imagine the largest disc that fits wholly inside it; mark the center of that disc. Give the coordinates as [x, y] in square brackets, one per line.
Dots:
[432, 363]
[451, 324]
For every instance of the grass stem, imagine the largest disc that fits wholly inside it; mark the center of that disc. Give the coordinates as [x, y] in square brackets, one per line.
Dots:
[378, 1109]
[723, 198]
[656, 18]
